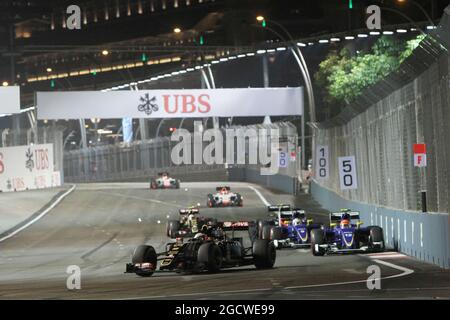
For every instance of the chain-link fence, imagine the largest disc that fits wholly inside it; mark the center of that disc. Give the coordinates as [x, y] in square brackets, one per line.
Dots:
[142, 159]
[410, 106]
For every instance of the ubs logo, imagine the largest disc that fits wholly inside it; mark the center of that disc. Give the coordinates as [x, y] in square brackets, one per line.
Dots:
[29, 164]
[148, 105]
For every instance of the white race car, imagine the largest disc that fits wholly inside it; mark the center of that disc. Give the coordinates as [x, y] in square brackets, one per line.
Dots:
[163, 181]
[224, 198]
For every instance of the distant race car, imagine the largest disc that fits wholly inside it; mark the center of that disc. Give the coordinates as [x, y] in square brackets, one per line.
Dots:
[224, 198]
[344, 236]
[288, 228]
[211, 250]
[163, 181]
[188, 224]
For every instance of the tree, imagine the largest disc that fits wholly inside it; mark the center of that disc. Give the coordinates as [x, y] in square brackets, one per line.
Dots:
[341, 78]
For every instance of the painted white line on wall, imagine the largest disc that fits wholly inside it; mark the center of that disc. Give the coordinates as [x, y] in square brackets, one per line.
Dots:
[392, 230]
[399, 236]
[386, 228]
[43, 213]
[412, 232]
[404, 228]
[264, 200]
[421, 234]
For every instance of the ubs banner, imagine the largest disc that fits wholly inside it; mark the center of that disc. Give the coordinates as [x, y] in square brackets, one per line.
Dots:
[9, 99]
[27, 167]
[197, 103]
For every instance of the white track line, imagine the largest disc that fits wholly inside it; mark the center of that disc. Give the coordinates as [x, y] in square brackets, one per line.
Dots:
[43, 213]
[141, 199]
[264, 200]
[405, 272]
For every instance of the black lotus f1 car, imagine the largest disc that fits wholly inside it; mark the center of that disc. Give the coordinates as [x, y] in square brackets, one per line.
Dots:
[188, 224]
[210, 251]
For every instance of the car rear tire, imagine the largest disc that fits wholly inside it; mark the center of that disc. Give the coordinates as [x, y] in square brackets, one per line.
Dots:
[276, 233]
[239, 201]
[376, 235]
[173, 226]
[210, 201]
[177, 185]
[317, 237]
[153, 184]
[260, 226]
[266, 232]
[144, 254]
[264, 254]
[211, 255]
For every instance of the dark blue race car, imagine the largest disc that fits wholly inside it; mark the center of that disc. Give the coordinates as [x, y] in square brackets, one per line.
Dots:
[345, 235]
[289, 227]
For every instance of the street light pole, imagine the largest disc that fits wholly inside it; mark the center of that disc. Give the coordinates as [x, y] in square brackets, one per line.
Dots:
[306, 77]
[420, 8]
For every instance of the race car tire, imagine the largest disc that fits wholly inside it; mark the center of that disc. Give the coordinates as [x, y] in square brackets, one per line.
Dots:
[276, 233]
[376, 235]
[317, 237]
[266, 231]
[210, 202]
[239, 201]
[260, 227]
[211, 255]
[153, 184]
[144, 254]
[264, 254]
[177, 185]
[172, 228]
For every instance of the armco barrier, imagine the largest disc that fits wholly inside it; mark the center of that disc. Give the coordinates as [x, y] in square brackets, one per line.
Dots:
[424, 236]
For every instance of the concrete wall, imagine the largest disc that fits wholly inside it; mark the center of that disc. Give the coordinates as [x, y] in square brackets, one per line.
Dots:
[278, 182]
[424, 236]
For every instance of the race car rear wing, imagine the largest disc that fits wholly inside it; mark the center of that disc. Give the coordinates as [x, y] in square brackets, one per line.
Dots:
[234, 225]
[220, 188]
[189, 211]
[301, 212]
[163, 173]
[280, 207]
[336, 216]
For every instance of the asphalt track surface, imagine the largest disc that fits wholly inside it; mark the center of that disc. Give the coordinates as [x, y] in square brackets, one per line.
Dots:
[97, 227]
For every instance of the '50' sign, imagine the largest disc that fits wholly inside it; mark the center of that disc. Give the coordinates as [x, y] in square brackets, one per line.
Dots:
[2, 165]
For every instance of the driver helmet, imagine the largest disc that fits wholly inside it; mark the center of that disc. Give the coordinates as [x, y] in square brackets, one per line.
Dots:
[296, 221]
[345, 223]
[224, 191]
[191, 217]
[198, 235]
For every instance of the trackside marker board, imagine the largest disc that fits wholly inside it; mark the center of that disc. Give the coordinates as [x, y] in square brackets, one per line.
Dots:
[9, 100]
[197, 103]
[347, 173]
[420, 155]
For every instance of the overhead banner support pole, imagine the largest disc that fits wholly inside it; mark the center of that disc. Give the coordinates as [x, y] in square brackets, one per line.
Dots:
[83, 133]
[211, 85]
